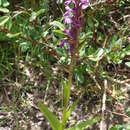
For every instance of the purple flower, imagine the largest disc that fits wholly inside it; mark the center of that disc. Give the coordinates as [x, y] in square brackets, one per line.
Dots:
[62, 43]
[68, 32]
[73, 17]
[84, 3]
[67, 2]
[67, 18]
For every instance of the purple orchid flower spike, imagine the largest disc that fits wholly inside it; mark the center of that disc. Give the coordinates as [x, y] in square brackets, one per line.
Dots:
[73, 17]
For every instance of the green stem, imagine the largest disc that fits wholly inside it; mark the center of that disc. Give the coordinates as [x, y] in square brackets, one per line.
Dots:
[66, 105]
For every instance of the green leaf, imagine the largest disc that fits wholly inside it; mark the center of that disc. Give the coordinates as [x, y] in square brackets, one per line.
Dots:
[33, 16]
[54, 122]
[90, 22]
[120, 127]
[127, 50]
[84, 125]
[57, 24]
[59, 33]
[67, 112]
[66, 93]
[24, 46]
[71, 109]
[117, 44]
[0, 2]
[13, 35]
[127, 63]
[41, 11]
[5, 3]
[113, 128]
[3, 20]
[97, 55]
[9, 23]
[4, 10]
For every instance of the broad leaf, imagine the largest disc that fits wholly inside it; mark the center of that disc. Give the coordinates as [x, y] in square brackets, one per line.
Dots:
[24, 46]
[84, 125]
[8, 25]
[0, 2]
[41, 11]
[90, 22]
[4, 10]
[54, 122]
[58, 24]
[59, 33]
[116, 44]
[33, 16]
[13, 35]
[3, 20]
[5, 3]
[71, 109]
[97, 56]
[127, 63]
[127, 50]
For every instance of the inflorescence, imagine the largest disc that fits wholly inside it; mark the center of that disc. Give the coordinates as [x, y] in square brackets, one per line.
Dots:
[73, 19]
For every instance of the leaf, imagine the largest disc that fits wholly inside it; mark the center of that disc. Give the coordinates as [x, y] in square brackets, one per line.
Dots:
[113, 128]
[4, 10]
[41, 11]
[58, 24]
[24, 46]
[120, 127]
[90, 22]
[59, 33]
[13, 35]
[9, 23]
[97, 56]
[127, 50]
[0, 2]
[33, 16]
[85, 124]
[127, 63]
[54, 122]
[6, 3]
[66, 91]
[68, 113]
[100, 53]
[59, 1]
[116, 43]
[3, 20]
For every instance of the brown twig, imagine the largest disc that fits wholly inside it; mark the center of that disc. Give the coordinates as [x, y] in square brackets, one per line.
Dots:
[94, 79]
[120, 114]
[117, 106]
[125, 82]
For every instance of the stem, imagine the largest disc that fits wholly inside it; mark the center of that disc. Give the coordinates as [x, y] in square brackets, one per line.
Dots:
[103, 123]
[69, 90]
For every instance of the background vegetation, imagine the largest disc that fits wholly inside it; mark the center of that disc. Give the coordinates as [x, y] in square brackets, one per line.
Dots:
[33, 66]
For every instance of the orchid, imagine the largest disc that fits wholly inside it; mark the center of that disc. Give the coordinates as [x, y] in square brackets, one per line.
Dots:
[73, 17]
